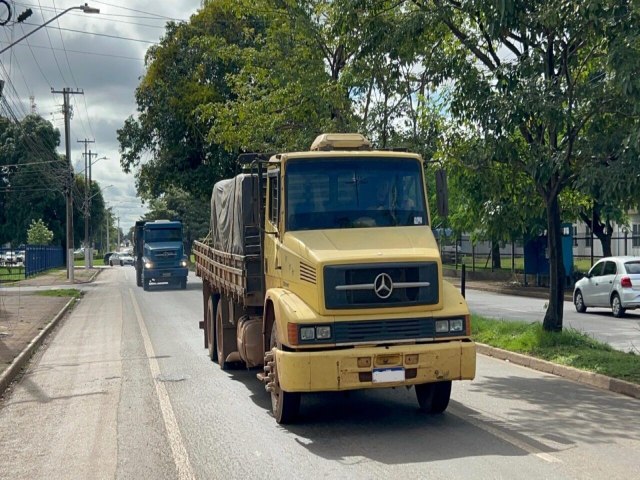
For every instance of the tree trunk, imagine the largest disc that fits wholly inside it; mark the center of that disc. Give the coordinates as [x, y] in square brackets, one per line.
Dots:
[553, 317]
[496, 263]
[605, 240]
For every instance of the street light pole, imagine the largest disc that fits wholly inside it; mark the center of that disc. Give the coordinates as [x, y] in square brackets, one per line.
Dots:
[85, 8]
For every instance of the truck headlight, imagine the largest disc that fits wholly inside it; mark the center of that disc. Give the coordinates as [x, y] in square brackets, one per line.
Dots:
[442, 326]
[323, 332]
[307, 333]
[148, 265]
[183, 263]
[456, 325]
[312, 333]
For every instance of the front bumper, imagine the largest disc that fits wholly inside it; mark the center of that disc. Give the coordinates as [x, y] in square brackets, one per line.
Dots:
[331, 370]
[165, 274]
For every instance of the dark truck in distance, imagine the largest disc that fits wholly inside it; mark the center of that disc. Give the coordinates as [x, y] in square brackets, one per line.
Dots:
[159, 253]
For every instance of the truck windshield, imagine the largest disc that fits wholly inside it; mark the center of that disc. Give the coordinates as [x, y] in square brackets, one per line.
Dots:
[152, 235]
[358, 192]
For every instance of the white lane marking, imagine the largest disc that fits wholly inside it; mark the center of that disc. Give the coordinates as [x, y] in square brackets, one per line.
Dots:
[180, 456]
[496, 432]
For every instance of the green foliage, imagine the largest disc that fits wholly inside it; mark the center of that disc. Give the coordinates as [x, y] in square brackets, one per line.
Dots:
[570, 347]
[32, 176]
[38, 233]
[61, 292]
[96, 212]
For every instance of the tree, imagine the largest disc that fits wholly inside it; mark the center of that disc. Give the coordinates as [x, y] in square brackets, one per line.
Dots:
[529, 78]
[32, 178]
[38, 233]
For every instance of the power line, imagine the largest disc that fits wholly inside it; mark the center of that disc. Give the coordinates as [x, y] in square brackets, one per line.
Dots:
[64, 80]
[137, 11]
[147, 15]
[81, 52]
[118, 37]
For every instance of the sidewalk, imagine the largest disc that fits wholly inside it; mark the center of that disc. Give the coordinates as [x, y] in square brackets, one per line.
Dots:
[25, 316]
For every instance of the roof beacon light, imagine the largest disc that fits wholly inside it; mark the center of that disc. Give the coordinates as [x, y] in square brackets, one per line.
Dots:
[340, 141]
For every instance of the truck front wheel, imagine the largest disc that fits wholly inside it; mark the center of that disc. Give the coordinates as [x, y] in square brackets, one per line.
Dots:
[145, 284]
[434, 397]
[284, 405]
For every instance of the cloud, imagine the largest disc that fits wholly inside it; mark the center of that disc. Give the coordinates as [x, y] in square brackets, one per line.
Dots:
[108, 80]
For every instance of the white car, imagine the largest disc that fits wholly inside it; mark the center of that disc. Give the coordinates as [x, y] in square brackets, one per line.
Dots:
[121, 259]
[613, 282]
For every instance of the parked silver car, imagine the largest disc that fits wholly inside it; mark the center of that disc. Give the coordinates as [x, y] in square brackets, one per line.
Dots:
[612, 282]
[121, 258]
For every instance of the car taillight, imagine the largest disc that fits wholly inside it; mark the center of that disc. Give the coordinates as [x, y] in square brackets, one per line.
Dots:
[625, 282]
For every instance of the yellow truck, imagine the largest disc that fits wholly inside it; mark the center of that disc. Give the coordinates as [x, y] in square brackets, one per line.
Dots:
[321, 268]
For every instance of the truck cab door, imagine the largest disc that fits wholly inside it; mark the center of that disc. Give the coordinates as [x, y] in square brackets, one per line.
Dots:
[272, 243]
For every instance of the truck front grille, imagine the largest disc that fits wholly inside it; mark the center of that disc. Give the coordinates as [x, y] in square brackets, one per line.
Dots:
[381, 285]
[384, 330]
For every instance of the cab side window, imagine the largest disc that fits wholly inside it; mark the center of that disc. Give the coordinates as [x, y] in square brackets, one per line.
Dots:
[274, 197]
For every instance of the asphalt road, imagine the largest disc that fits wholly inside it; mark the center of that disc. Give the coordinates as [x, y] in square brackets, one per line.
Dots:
[621, 333]
[124, 389]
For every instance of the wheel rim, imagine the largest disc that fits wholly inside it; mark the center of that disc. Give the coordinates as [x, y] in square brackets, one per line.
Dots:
[275, 388]
[579, 301]
[210, 326]
[616, 305]
[219, 338]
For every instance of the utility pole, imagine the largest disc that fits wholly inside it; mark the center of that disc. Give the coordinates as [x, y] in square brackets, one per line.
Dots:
[108, 224]
[69, 187]
[85, 210]
[118, 246]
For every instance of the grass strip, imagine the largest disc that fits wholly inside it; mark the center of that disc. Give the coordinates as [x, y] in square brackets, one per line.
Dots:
[61, 292]
[569, 347]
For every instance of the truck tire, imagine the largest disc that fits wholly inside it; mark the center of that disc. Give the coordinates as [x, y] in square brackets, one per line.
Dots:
[226, 341]
[145, 284]
[211, 332]
[434, 397]
[183, 284]
[284, 405]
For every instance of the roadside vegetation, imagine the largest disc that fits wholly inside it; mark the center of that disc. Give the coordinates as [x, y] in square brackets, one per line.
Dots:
[61, 292]
[569, 347]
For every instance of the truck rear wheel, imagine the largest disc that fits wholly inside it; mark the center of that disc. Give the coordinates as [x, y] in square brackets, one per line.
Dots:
[211, 334]
[284, 405]
[434, 397]
[225, 341]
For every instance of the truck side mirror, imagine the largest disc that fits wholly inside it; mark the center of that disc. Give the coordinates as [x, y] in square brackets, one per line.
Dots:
[442, 193]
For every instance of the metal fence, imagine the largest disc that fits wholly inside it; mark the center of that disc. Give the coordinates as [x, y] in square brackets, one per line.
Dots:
[586, 251]
[39, 258]
[28, 260]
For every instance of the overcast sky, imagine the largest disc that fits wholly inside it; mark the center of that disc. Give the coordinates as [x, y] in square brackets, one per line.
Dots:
[106, 68]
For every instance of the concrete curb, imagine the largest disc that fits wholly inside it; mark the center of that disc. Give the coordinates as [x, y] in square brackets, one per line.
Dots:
[589, 378]
[21, 360]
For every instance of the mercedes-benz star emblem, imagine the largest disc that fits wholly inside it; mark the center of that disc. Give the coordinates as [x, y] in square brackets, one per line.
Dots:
[383, 286]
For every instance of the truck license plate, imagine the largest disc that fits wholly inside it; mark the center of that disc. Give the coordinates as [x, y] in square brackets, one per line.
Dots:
[167, 274]
[386, 375]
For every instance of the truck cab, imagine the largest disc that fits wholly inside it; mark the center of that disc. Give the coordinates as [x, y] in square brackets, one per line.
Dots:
[159, 253]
